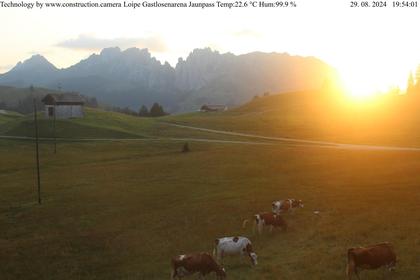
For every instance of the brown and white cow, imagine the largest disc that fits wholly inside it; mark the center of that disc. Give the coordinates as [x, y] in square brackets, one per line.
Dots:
[267, 219]
[202, 263]
[371, 257]
[287, 205]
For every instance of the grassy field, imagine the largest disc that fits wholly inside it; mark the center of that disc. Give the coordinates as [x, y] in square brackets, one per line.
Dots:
[121, 210]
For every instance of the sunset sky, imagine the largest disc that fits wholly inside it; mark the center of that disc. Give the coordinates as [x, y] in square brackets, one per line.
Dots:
[372, 48]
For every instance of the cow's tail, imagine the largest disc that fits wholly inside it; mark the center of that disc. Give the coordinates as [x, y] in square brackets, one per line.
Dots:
[351, 265]
[216, 243]
[244, 223]
[173, 271]
[257, 222]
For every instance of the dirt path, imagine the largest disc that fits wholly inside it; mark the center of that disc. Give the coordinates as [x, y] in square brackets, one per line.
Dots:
[24, 138]
[324, 144]
[284, 140]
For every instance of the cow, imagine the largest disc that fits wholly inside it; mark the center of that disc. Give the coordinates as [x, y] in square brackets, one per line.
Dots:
[267, 219]
[236, 245]
[287, 205]
[202, 263]
[371, 257]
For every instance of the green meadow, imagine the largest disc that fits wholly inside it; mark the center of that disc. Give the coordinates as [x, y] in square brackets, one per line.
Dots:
[121, 209]
[6, 117]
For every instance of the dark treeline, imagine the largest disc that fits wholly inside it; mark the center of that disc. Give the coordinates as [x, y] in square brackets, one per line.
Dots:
[25, 105]
[155, 111]
[21, 100]
[413, 83]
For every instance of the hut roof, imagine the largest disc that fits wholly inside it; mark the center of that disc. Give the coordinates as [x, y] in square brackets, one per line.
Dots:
[63, 99]
[214, 107]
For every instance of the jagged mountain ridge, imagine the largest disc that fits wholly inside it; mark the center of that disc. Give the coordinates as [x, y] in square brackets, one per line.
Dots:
[133, 77]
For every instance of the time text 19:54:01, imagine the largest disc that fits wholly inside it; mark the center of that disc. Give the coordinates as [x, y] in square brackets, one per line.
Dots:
[383, 4]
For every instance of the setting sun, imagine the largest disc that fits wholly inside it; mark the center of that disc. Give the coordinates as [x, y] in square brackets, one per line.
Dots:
[366, 81]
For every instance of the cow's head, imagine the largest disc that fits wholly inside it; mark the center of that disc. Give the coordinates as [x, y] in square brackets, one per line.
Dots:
[275, 206]
[300, 203]
[248, 249]
[253, 258]
[221, 273]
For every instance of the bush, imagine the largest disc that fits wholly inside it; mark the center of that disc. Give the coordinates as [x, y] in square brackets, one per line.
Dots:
[186, 148]
[143, 112]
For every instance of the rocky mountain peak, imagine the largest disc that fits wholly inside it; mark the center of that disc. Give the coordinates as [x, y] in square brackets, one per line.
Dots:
[36, 62]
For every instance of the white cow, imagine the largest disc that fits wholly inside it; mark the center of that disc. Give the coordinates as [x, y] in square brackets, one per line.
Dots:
[236, 245]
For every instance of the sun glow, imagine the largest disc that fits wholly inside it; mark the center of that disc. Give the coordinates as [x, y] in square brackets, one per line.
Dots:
[364, 82]
[360, 88]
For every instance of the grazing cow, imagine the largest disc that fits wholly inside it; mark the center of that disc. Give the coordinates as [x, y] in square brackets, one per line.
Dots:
[287, 205]
[371, 257]
[237, 245]
[202, 263]
[269, 219]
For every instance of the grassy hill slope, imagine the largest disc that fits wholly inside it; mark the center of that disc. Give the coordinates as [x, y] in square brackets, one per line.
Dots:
[100, 124]
[7, 116]
[95, 124]
[320, 116]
